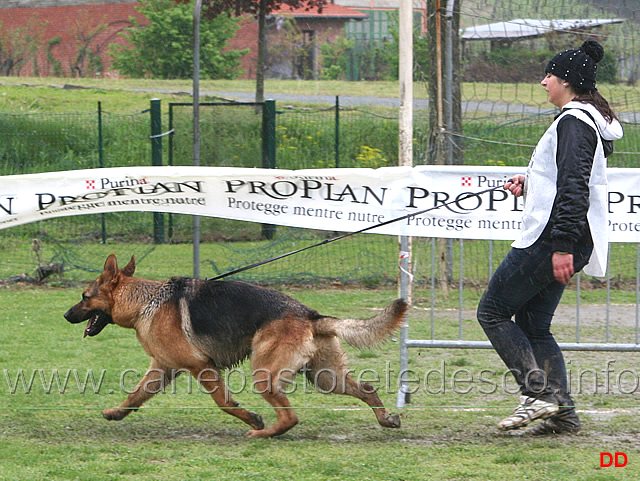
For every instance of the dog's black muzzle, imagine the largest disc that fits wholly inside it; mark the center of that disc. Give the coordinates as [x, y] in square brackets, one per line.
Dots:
[98, 320]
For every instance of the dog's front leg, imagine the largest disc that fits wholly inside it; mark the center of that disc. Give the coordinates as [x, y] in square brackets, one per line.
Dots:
[211, 380]
[156, 379]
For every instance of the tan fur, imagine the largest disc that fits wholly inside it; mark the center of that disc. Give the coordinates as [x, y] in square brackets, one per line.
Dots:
[364, 332]
[279, 349]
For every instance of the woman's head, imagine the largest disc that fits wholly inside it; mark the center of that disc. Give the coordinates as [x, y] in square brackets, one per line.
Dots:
[571, 75]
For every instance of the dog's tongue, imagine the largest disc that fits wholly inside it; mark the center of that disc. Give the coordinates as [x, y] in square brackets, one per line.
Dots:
[86, 329]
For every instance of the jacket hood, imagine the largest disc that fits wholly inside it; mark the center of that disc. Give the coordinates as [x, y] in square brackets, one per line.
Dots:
[608, 131]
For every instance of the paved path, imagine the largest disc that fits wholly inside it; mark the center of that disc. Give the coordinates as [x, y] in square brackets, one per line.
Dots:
[356, 101]
[468, 106]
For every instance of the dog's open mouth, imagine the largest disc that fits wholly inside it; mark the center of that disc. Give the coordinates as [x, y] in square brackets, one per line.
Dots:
[96, 323]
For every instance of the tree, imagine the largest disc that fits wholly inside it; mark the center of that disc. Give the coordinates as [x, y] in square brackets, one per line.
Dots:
[87, 61]
[164, 47]
[389, 53]
[444, 83]
[19, 45]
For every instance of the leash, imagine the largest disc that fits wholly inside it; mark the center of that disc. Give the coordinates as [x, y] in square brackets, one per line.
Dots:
[349, 234]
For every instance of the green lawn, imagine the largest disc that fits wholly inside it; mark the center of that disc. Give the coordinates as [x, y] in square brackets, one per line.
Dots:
[52, 431]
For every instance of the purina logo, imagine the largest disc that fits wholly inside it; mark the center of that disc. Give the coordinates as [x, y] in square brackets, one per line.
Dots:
[465, 181]
[107, 183]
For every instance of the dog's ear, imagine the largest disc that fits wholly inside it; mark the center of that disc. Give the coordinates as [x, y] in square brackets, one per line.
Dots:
[110, 272]
[130, 268]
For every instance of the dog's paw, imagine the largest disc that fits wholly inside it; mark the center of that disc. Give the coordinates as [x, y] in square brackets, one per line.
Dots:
[256, 433]
[115, 414]
[256, 421]
[390, 421]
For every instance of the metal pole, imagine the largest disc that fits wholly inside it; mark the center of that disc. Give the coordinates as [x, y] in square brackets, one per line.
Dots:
[196, 127]
[268, 151]
[448, 79]
[637, 293]
[156, 159]
[608, 310]
[101, 165]
[337, 132]
[170, 162]
[439, 78]
[461, 289]
[433, 288]
[405, 289]
[405, 157]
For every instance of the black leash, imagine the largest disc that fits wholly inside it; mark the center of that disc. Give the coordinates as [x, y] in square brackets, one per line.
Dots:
[349, 234]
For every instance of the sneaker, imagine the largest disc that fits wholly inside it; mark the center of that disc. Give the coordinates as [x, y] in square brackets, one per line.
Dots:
[563, 423]
[529, 410]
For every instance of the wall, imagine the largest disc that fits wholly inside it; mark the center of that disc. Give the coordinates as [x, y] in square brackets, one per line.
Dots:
[75, 23]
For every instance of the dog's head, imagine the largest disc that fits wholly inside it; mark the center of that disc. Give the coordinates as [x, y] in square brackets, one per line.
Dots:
[97, 299]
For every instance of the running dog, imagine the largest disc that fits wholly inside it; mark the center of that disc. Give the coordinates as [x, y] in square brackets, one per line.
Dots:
[205, 326]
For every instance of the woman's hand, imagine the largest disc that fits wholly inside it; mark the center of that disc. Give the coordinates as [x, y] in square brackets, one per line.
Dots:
[562, 266]
[515, 185]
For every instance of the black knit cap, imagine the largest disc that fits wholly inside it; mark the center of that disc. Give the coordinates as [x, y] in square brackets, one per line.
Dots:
[578, 66]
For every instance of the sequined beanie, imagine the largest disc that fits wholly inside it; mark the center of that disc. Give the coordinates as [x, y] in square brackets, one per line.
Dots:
[578, 66]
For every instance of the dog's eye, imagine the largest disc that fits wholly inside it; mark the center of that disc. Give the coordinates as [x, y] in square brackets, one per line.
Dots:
[85, 297]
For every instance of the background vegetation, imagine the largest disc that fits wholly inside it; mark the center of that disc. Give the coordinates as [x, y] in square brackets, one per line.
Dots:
[171, 29]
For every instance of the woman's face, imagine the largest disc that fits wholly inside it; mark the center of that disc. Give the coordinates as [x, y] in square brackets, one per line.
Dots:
[559, 92]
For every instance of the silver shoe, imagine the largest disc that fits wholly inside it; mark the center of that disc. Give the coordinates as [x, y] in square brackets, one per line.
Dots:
[528, 410]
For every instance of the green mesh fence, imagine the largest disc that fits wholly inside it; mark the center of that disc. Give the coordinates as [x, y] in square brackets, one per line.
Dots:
[231, 135]
[45, 142]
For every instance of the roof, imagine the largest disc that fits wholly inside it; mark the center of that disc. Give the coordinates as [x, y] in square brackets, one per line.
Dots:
[330, 10]
[531, 27]
[371, 4]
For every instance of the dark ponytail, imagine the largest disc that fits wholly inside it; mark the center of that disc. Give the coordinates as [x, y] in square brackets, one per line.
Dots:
[594, 98]
[591, 96]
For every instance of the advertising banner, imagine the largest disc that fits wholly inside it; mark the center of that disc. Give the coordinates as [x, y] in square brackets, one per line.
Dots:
[440, 201]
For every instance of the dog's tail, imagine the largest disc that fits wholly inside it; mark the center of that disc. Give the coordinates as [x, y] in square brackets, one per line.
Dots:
[364, 332]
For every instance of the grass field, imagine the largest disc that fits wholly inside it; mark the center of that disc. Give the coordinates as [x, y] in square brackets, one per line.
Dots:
[49, 430]
[64, 100]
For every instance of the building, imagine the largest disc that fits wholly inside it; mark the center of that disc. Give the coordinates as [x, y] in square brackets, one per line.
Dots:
[294, 37]
[61, 37]
[71, 38]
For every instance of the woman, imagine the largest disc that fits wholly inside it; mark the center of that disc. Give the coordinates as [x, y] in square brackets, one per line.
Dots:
[565, 229]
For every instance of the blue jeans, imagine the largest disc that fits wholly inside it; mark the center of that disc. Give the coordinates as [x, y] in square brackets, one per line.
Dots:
[523, 288]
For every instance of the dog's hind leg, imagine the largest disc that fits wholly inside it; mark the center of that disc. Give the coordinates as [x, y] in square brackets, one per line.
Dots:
[270, 385]
[212, 382]
[279, 352]
[328, 372]
[154, 381]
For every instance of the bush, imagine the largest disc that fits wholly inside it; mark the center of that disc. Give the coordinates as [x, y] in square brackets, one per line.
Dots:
[171, 30]
[335, 59]
[508, 65]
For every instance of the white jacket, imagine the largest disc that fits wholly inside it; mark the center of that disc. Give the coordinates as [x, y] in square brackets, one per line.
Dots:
[541, 185]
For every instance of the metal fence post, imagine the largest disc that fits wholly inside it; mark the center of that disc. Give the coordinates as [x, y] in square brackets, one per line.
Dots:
[170, 162]
[337, 132]
[103, 220]
[269, 151]
[156, 160]
[405, 158]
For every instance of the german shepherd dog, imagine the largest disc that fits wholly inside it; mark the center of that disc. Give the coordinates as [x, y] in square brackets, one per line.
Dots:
[205, 326]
